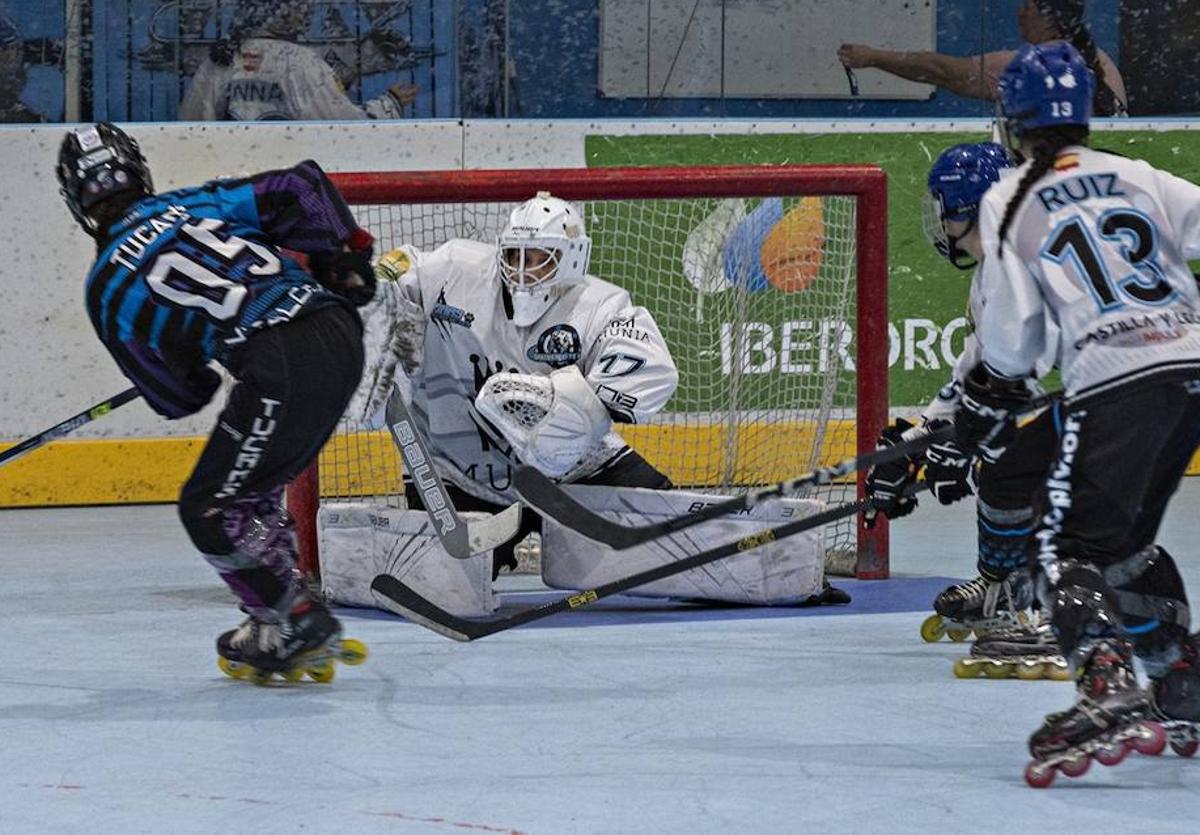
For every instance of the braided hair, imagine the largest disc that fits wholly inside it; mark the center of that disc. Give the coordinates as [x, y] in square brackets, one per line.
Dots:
[1045, 143]
[1067, 16]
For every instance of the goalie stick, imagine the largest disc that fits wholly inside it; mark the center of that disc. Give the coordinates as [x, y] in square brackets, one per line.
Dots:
[548, 498]
[68, 426]
[460, 538]
[402, 600]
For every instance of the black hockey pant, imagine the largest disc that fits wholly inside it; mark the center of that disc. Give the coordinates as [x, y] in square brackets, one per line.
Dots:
[294, 382]
[1119, 459]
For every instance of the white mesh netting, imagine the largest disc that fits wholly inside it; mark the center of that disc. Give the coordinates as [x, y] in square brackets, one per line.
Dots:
[756, 299]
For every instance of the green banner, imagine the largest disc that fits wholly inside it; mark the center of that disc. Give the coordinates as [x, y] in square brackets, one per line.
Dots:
[927, 296]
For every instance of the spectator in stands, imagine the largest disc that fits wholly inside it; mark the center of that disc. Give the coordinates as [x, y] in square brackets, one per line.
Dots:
[263, 74]
[12, 74]
[978, 76]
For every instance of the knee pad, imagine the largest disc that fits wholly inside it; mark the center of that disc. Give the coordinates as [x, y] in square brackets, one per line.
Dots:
[255, 531]
[1152, 603]
[1003, 539]
[1083, 610]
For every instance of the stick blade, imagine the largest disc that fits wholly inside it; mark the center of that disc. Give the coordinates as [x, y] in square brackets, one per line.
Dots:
[551, 500]
[492, 532]
[399, 598]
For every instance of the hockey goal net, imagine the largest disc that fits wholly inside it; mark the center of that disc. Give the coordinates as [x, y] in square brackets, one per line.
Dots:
[768, 282]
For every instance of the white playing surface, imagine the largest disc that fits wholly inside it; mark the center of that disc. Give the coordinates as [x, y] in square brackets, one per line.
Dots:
[635, 717]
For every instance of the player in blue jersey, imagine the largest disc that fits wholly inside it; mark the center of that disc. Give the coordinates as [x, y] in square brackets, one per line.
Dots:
[199, 276]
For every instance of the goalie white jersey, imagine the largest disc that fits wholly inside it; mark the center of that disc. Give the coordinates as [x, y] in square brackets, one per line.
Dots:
[469, 336]
[1101, 244]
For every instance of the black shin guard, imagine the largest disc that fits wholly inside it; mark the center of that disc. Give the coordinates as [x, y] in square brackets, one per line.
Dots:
[1153, 605]
[1003, 538]
[1084, 611]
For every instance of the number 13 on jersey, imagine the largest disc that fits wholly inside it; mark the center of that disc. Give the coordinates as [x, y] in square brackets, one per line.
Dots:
[1123, 240]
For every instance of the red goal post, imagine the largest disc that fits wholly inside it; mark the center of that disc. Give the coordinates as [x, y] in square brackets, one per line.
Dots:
[377, 198]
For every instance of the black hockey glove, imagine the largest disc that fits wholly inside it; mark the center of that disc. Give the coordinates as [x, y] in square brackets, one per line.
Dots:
[986, 420]
[948, 470]
[350, 273]
[886, 482]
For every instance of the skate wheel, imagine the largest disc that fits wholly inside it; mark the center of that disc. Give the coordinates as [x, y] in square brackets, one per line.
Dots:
[1059, 672]
[1077, 766]
[293, 675]
[1030, 672]
[353, 652]
[1110, 755]
[932, 629]
[997, 671]
[321, 673]
[1039, 775]
[229, 668]
[1185, 749]
[958, 635]
[260, 677]
[965, 669]
[1150, 740]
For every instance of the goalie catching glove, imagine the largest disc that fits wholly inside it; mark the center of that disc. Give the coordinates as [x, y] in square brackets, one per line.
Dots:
[886, 482]
[986, 419]
[555, 423]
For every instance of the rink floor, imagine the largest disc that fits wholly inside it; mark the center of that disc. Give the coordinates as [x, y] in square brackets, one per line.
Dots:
[114, 717]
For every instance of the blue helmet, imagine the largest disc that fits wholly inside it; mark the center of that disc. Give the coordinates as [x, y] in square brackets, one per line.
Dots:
[1044, 86]
[957, 182]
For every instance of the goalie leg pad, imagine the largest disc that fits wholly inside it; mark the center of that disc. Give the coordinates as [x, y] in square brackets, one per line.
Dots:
[358, 541]
[553, 421]
[779, 573]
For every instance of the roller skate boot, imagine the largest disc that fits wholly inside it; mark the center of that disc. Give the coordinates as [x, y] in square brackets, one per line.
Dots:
[1028, 651]
[307, 640]
[1111, 717]
[980, 606]
[1176, 699]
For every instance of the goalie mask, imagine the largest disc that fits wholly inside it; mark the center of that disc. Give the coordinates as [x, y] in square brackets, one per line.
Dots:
[96, 163]
[542, 249]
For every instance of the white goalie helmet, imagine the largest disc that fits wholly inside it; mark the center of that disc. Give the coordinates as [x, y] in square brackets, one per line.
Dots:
[544, 247]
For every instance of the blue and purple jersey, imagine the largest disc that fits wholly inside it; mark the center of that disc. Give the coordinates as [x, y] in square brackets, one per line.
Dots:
[188, 276]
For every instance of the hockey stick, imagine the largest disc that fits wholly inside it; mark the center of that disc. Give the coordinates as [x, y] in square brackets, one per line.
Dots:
[69, 425]
[402, 600]
[460, 538]
[551, 500]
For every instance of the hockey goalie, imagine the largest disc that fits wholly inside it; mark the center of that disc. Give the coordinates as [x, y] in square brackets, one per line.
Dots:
[512, 353]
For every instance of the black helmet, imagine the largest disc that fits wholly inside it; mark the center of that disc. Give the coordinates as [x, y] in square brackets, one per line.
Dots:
[95, 163]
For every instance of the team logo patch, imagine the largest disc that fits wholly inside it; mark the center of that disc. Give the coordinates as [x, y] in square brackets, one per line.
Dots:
[558, 347]
[444, 315]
